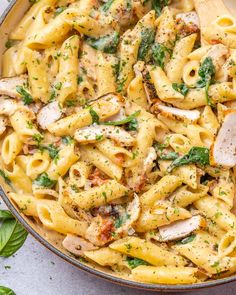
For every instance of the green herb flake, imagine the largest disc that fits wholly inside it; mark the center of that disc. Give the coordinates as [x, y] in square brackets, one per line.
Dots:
[135, 262]
[169, 156]
[106, 6]
[59, 10]
[158, 5]
[159, 54]
[26, 96]
[10, 43]
[67, 140]
[44, 181]
[121, 220]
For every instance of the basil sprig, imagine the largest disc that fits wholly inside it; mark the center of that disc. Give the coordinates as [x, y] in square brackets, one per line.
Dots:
[12, 235]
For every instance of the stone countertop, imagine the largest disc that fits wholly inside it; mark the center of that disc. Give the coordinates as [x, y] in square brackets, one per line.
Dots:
[34, 270]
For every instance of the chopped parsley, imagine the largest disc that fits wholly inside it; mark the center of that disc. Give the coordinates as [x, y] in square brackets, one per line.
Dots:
[37, 138]
[59, 10]
[67, 140]
[159, 54]
[44, 181]
[10, 43]
[51, 149]
[106, 6]
[121, 220]
[158, 5]
[170, 156]
[26, 96]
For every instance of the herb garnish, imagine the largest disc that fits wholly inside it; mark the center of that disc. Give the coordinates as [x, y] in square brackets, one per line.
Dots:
[187, 240]
[67, 140]
[106, 6]
[12, 234]
[197, 155]
[158, 5]
[147, 39]
[44, 181]
[135, 262]
[181, 87]
[26, 96]
[169, 156]
[52, 150]
[124, 121]
[207, 74]
[121, 220]
[107, 44]
[6, 291]
[5, 177]
[94, 115]
[159, 53]
[59, 10]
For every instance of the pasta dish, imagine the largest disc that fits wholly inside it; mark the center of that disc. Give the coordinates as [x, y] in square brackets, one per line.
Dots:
[118, 131]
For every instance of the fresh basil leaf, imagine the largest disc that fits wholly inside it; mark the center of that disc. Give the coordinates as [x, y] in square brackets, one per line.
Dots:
[147, 39]
[158, 5]
[169, 156]
[197, 155]
[12, 237]
[26, 96]
[124, 121]
[135, 262]
[94, 115]
[159, 53]
[5, 177]
[107, 44]
[106, 6]
[187, 240]
[181, 87]
[44, 181]
[6, 291]
[5, 214]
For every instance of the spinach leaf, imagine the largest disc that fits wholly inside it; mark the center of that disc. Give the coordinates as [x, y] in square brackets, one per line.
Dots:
[26, 96]
[121, 220]
[181, 87]
[135, 262]
[169, 156]
[37, 138]
[132, 125]
[159, 53]
[207, 74]
[94, 115]
[52, 150]
[124, 121]
[158, 5]
[197, 155]
[44, 181]
[5, 214]
[147, 39]
[59, 10]
[12, 237]
[5, 177]
[67, 140]
[107, 44]
[6, 291]
[106, 6]
[187, 240]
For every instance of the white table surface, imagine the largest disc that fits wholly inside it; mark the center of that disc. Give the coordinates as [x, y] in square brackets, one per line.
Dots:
[34, 270]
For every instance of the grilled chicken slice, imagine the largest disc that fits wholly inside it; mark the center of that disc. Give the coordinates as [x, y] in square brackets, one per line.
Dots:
[223, 150]
[8, 86]
[8, 106]
[186, 115]
[49, 114]
[77, 245]
[3, 124]
[180, 229]
[94, 133]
